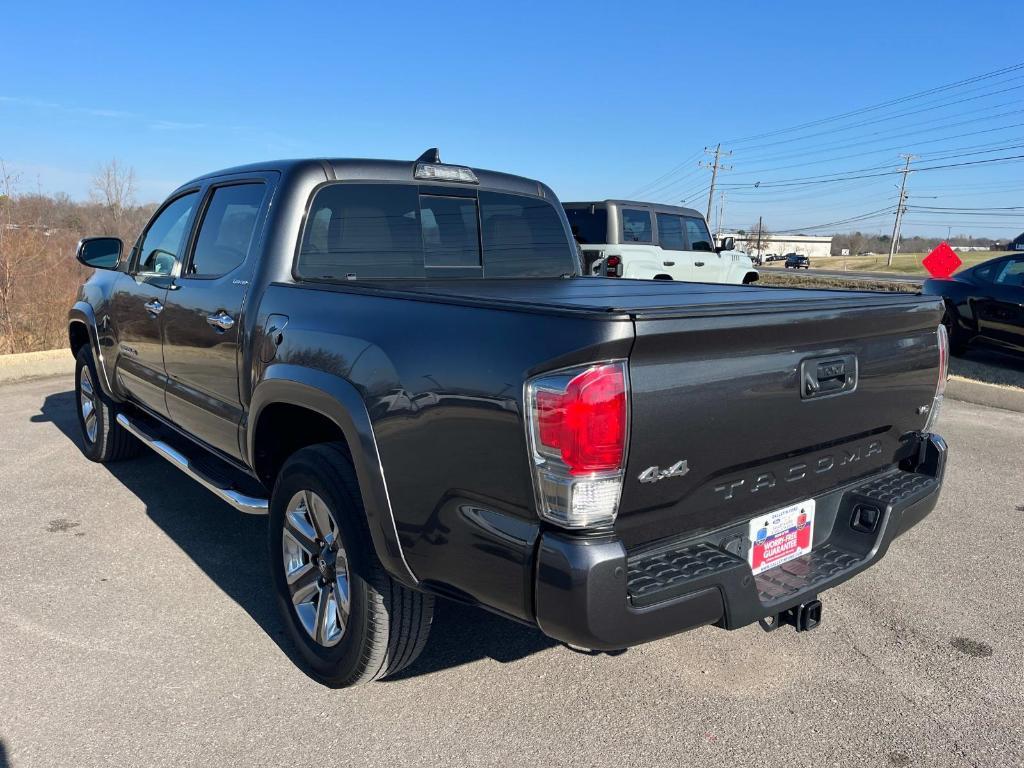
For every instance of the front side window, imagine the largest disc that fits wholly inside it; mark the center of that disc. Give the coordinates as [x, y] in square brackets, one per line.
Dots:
[451, 237]
[160, 246]
[636, 226]
[670, 232]
[698, 235]
[227, 230]
[589, 225]
[1012, 273]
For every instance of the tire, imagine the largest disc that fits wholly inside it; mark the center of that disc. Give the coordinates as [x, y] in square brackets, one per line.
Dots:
[104, 440]
[957, 343]
[386, 624]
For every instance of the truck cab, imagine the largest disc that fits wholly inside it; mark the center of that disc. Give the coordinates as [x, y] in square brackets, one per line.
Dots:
[647, 241]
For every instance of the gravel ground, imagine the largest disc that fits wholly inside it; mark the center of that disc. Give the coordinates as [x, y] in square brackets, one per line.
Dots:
[136, 628]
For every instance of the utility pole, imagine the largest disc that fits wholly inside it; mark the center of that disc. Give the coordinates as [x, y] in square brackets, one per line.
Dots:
[901, 208]
[715, 167]
[759, 228]
[719, 226]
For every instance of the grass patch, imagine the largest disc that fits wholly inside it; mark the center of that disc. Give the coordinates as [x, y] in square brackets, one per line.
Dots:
[902, 263]
[811, 280]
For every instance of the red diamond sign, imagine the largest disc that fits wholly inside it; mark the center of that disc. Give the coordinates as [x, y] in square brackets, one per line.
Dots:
[942, 262]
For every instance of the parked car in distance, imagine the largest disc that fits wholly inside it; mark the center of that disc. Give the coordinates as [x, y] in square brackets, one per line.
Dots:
[647, 241]
[984, 304]
[773, 257]
[402, 364]
[796, 261]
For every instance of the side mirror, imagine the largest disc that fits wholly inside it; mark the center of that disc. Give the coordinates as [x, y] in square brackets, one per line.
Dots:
[100, 252]
[727, 245]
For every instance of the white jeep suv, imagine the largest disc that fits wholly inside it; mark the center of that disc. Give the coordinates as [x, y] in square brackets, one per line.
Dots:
[622, 238]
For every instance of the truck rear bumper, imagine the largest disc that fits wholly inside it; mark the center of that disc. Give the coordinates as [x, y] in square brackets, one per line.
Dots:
[593, 593]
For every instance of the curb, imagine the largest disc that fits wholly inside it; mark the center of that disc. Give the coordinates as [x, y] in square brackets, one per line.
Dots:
[36, 365]
[981, 393]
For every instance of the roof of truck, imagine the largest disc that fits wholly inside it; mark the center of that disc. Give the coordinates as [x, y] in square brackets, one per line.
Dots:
[385, 170]
[653, 206]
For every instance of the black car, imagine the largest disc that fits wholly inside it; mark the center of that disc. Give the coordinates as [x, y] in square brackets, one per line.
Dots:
[984, 304]
[796, 261]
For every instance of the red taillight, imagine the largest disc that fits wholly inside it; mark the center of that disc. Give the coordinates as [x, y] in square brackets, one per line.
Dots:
[586, 424]
[613, 266]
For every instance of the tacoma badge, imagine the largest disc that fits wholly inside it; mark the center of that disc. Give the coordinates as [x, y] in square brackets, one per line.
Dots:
[654, 474]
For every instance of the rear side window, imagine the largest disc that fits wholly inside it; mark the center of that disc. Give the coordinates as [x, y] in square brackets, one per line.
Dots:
[636, 226]
[698, 235]
[376, 231]
[523, 237]
[227, 229]
[670, 232]
[589, 227]
[362, 231]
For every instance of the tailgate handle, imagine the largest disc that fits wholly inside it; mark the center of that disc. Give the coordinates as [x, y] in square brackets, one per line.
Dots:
[822, 377]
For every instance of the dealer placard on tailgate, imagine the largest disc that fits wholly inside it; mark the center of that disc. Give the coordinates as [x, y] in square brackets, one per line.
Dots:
[781, 536]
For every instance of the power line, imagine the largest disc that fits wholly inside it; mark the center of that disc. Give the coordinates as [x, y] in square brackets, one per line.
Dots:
[807, 180]
[845, 143]
[680, 166]
[882, 105]
[862, 217]
[892, 148]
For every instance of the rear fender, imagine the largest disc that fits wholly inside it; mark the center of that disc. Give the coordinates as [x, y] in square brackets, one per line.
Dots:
[338, 400]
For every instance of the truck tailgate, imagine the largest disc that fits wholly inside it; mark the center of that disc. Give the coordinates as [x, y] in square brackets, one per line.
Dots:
[726, 393]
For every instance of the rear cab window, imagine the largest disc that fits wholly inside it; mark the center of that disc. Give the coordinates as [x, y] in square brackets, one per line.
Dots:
[361, 231]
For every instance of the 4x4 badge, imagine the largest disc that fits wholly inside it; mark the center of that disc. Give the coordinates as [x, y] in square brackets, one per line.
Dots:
[654, 474]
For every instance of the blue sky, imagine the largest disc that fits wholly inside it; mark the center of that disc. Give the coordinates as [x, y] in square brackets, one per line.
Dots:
[597, 99]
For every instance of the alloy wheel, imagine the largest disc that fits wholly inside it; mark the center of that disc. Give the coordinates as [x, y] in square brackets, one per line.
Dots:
[87, 405]
[316, 568]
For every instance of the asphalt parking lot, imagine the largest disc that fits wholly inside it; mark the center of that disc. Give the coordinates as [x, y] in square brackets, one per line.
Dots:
[136, 628]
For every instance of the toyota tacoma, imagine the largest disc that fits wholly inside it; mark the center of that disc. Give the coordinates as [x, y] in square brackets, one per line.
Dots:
[403, 366]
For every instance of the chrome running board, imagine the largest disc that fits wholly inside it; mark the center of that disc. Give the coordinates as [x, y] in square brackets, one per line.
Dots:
[251, 505]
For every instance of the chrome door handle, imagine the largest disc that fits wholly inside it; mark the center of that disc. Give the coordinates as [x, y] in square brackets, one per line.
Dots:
[154, 307]
[221, 320]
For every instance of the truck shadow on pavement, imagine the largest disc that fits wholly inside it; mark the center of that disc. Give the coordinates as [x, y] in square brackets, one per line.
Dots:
[231, 549]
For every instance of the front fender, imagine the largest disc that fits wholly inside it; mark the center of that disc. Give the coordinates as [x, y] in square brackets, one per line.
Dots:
[338, 400]
[82, 312]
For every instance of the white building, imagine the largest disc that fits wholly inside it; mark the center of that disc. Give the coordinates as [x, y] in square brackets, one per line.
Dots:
[814, 246]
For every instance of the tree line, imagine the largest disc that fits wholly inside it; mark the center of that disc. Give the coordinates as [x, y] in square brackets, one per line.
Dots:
[39, 276]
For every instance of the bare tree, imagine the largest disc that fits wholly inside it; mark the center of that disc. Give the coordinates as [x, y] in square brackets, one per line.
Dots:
[113, 189]
[8, 263]
[758, 237]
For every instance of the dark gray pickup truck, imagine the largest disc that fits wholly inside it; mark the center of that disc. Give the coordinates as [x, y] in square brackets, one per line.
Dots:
[401, 363]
